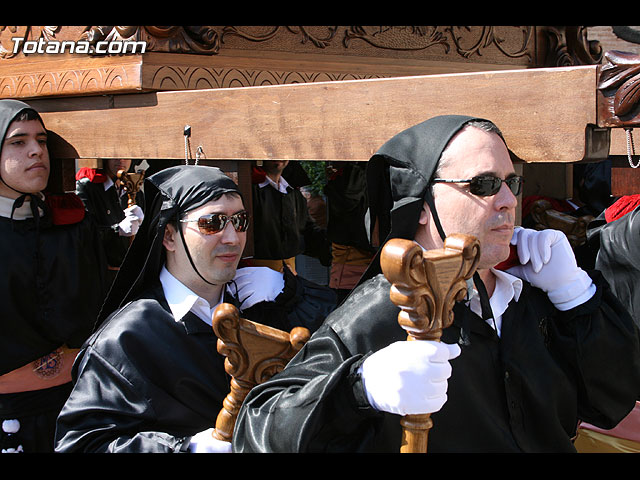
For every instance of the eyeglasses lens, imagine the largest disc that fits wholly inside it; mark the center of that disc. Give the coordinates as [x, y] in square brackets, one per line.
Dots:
[216, 222]
[488, 185]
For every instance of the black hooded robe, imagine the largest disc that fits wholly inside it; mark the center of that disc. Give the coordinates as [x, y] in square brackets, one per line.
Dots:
[522, 392]
[145, 382]
[52, 284]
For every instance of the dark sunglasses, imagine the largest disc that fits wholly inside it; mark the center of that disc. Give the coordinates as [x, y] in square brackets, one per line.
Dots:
[487, 185]
[216, 222]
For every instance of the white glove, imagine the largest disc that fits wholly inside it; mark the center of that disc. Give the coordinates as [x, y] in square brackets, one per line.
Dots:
[136, 211]
[129, 226]
[409, 377]
[133, 217]
[548, 262]
[204, 442]
[257, 284]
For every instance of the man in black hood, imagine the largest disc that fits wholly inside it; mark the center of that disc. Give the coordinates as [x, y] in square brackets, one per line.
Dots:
[530, 352]
[151, 379]
[51, 284]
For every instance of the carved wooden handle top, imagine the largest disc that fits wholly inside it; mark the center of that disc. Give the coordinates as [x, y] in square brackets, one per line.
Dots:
[426, 284]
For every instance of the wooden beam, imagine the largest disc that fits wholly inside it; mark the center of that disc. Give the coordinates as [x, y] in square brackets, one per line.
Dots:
[544, 115]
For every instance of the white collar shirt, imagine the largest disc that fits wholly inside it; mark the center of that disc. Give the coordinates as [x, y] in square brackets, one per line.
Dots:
[281, 186]
[181, 299]
[508, 287]
[22, 213]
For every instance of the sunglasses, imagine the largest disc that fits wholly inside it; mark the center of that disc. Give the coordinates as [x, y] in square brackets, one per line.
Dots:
[216, 222]
[488, 185]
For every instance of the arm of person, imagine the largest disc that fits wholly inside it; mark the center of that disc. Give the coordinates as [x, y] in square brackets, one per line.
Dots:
[600, 342]
[316, 404]
[593, 335]
[282, 300]
[108, 413]
[48, 371]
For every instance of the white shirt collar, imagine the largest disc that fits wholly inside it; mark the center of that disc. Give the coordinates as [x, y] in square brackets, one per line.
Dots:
[281, 186]
[22, 213]
[181, 299]
[107, 184]
[508, 287]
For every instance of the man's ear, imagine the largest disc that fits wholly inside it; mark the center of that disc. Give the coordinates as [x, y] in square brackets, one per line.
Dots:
[170, 238]
[425, 214]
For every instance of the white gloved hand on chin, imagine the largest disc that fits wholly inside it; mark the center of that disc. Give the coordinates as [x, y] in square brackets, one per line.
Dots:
[548, 262]
[257, 284]
[204, 442]
[409, 377]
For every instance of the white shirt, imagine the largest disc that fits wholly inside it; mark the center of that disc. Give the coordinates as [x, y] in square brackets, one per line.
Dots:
[181, 299]
[508, 287]
[22, 213]
[281, 186]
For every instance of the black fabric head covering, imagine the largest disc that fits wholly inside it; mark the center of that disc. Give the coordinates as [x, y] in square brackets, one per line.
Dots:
[168, 194]
[9, 110]
[399, 178]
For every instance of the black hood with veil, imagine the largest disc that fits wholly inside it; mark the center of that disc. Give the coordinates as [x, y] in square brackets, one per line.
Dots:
[169, 194]
[399, 178]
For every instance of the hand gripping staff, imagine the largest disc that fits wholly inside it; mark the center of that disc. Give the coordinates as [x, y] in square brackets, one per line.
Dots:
[426, 285]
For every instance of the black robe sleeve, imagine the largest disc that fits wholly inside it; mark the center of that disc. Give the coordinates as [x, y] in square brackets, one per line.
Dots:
[143, 383]
[523, 392]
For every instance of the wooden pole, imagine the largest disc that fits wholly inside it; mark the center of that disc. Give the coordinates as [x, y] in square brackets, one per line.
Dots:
[426, 285]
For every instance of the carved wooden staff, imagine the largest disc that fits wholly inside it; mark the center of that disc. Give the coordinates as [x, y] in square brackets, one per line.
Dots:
[426, 285]
[255, 353]
[132, 183]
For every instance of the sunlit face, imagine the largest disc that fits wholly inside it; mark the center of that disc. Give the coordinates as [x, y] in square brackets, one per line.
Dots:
[274, 167]
[216, 256]
[24, 162]
[113, 166]
[490, 219]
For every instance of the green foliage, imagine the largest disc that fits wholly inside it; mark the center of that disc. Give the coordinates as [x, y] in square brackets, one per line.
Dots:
[317, 173]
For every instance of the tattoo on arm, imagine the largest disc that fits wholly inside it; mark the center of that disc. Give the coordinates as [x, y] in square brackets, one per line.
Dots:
[49, 366]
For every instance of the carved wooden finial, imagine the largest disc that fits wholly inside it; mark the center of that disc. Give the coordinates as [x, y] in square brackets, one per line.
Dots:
[132, 183]
[619, 90]
[255, 353]
[426, 285]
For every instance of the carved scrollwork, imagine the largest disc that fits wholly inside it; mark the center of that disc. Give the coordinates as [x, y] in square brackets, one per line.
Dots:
[173, 39]
[425, 285]
[412, 37]
[489, 35]
[254, 353]
[272, 31]
[621, 72]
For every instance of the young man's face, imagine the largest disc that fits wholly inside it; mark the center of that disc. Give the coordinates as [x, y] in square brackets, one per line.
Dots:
[24, 162]
[490, 219]
[112, 166]
[216, 256]
[274, 167]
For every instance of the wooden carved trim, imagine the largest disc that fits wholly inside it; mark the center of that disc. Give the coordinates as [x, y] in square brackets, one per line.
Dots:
[254, 353]
[619, 90]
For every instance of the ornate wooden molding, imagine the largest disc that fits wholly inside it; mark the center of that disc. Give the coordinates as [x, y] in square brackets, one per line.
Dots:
[619, 90]
[568, 46]
[501, 43]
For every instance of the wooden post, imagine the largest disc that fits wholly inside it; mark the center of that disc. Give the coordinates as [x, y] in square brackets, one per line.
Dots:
[425, 285]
